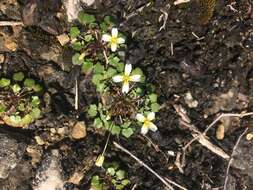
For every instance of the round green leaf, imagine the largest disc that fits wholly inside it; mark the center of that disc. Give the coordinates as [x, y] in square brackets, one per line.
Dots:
[77, 59]
[19, 76]
[29, 83]
[155, 107]
[16, 88]
[92, 112]
[4, 82]
[74, 32]
[127, 132]
[115, 130]
[85, 18]
[87, 66]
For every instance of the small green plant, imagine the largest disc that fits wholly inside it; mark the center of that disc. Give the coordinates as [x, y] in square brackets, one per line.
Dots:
[112, 178]
[19, 100]
[126, 99]
[123, 90]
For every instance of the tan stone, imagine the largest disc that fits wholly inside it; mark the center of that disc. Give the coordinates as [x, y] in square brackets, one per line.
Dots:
[63, 39]
[78, 131]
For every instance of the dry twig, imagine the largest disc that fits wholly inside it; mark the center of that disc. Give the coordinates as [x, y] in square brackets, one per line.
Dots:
[201, 137]
[11, 23]
[164, 181]
[231, 158]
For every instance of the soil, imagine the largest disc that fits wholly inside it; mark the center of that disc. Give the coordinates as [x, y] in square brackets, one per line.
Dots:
[188, 48]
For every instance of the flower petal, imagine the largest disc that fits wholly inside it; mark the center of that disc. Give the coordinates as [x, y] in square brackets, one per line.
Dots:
[151, 116]
[135, 78]
[106, 38]
[125, 87]
[114, 32]
[152, 127]
[128, 69]
[114, 47]
[120, 40]
[140, 117]
[117, 78]
[144, 130]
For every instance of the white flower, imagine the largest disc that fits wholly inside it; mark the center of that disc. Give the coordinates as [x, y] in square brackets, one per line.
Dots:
[126, 78]
[147, 122]
[113, 39]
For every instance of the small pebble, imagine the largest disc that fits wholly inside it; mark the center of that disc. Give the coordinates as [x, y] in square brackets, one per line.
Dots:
[63, 39]
[78, 130]
[220, 132]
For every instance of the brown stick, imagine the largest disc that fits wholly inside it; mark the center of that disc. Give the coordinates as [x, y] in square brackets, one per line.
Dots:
[149, 169]
[11, 23]
[197, 135]
[231, 158]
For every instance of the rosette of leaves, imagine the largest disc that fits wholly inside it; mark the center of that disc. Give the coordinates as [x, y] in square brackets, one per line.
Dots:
[113, 178]
[19, 100]
[116, 111]
[86, 41]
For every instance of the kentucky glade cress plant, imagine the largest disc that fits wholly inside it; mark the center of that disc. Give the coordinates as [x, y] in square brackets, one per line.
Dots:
[126, 99]
[19, 100]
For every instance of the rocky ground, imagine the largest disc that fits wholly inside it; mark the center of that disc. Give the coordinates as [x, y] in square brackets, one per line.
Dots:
[198, 54]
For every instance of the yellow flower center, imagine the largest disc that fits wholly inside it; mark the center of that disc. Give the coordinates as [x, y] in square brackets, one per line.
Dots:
[146, 123]
[126, 78]
[114, 40]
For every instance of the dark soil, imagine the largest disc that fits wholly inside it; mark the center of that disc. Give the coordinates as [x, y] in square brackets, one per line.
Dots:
[199, 52]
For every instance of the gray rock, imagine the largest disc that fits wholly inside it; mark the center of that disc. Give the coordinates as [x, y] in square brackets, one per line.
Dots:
[48, 175]
[11, 152]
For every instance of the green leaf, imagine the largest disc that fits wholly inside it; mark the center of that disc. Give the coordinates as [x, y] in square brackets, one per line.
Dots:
[100, 87]
[120, 174]
[111, 171]
[126, 124]
[35, 113]
[139, 91]
[108, 20]
[97, 78]
[27, 119]
[115, 130]
[2, 108]
[120, 67]
[15, 119]
[125, 182]
[98, 68]
[19, 76]
[88, 38]
[155, 107]
[4, 82]
[138, 71]
[29, 83]
[74, 32]
[85, 18]
[113, 60]
[77, 46]
[37, 88]
[16, 88]
[104, 26]
[98, 123]
[110, 73]
[95, 183]
[153, 98]
[127, 132]
[92, 111]
[77, 59]
[21, 107]
[87, 66]
[35, 101]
